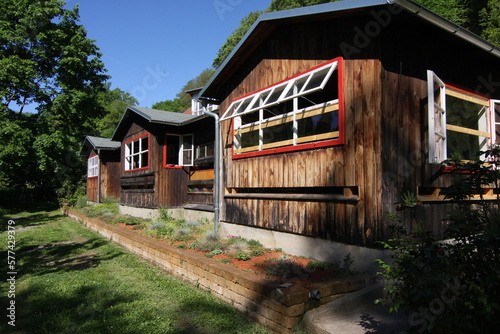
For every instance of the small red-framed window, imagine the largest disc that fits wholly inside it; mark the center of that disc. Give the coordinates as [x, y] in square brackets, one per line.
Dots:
[178, 150]
[93, 167]
[303, 112]
[137, 153]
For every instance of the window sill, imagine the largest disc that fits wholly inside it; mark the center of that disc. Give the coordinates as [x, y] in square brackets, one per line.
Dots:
[301, 147]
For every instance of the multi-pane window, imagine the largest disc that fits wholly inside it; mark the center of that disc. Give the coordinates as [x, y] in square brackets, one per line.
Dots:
[294, 112]
[93, 166]
[205, 151]
[178, 150]
[459, 122]
[137, 153]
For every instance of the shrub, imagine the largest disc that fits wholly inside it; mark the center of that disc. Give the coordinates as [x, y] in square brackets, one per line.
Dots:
[453, 286]
[81, 202]
[284, 267]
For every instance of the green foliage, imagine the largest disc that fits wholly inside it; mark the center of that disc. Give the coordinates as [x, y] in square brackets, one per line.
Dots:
[243, 256]
[115, 102]
[129, 220]
[235, 37]
[450, 286]
[47, 61]
[81, 202]
[182, 101]
[284, 267]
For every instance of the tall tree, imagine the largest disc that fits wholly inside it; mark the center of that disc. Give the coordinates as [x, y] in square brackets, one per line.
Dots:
[46, 60]
[182, 101]
[115, 102]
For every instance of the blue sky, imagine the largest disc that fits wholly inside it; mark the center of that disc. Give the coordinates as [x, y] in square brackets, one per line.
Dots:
[152, 48]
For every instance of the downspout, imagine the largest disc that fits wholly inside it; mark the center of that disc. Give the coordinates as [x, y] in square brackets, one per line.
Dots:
[99, 175]
[216, 170]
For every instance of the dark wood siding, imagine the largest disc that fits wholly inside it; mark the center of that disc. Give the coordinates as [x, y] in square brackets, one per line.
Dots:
[138, 187]
[321, 182]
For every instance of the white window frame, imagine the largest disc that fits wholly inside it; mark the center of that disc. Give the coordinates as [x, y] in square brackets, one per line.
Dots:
[93, 167]
[438, 126]
[130, 154]
[182, 149]
[290, 90]
[202, 150]
[279, 92]
[493, 104]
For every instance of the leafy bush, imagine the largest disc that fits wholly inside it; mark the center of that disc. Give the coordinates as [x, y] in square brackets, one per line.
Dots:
[450, 286]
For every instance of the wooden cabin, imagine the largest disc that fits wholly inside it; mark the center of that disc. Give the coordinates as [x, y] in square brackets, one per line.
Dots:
[167, 159]
[330, 113]
[103, 168]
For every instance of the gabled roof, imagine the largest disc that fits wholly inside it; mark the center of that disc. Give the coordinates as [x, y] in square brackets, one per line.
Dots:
[99, 143]
[155, 116]
[267, 21]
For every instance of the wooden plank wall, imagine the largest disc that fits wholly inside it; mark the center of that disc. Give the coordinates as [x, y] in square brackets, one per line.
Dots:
[357, 164]
[92, 189]
[144, 198]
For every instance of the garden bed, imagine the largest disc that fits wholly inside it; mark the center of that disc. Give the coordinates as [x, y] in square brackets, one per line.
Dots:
[276, 297]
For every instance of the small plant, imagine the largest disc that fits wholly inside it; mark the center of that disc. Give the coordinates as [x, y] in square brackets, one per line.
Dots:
[284, 267]
[81, 202]
[182, 234]
[320, 265]
[156, 225]
[211, 236]
[256, 252]
[215, 252]
[243, 257]
[227, 261]
[254, 243]
[164, 215]
[239, 246]
[128, 220]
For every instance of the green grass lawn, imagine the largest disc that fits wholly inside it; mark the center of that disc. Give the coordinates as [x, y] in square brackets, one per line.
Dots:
[71, 280]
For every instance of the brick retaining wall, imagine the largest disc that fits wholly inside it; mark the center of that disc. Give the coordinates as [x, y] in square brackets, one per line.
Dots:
[279, 309]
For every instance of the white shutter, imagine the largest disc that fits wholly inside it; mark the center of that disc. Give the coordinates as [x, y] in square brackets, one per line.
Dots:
[495, 117]
[436, 99]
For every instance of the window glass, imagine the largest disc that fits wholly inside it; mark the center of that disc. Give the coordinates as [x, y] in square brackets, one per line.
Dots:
[136, 153]
[466, 115]
[173, 147]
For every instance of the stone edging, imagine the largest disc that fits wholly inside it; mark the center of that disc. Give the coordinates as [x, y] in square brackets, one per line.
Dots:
[279, 309]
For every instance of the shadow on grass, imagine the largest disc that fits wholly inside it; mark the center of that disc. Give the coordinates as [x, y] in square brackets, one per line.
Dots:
[78, 254]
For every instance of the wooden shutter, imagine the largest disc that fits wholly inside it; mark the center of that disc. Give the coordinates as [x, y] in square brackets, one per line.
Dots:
[436, 98]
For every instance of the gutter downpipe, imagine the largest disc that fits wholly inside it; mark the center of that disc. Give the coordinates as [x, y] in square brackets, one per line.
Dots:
[98, 175]
[216, 170]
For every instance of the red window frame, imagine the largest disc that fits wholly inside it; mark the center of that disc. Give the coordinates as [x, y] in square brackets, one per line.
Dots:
[98, 162]
[149, 150]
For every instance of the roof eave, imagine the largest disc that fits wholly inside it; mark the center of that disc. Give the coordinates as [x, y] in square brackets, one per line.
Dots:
[408, 5]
